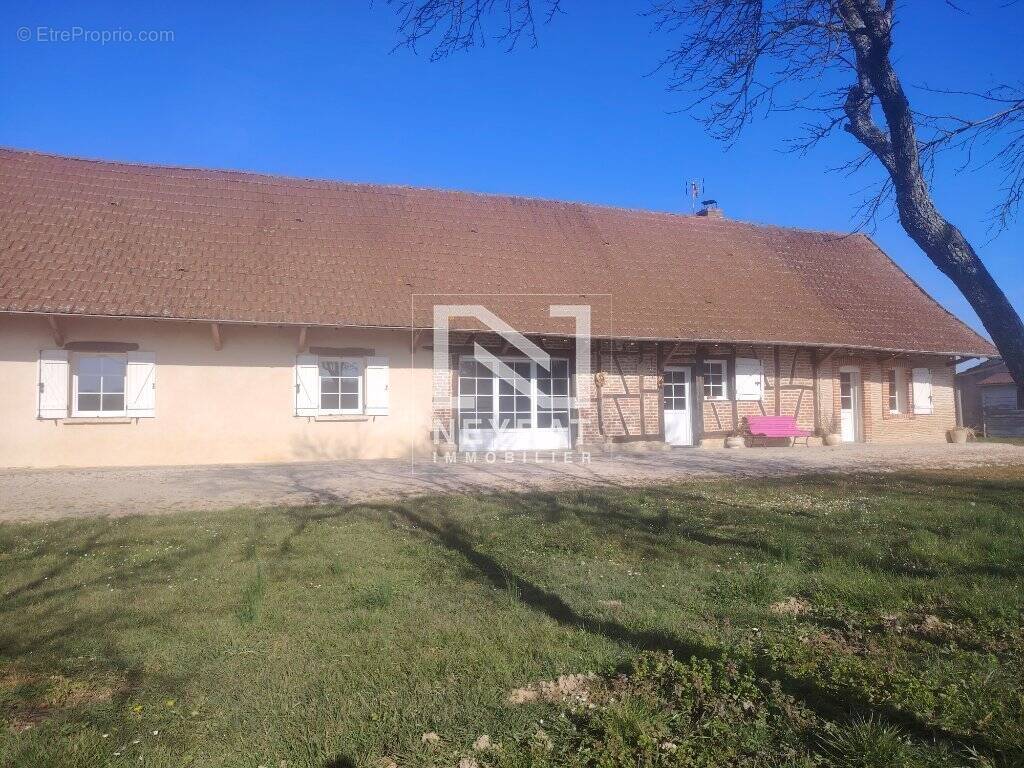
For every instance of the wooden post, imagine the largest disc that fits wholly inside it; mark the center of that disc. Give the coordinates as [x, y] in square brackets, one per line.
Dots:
[815, 406]
[215, 333]
[778, 380]
[697, 396]
[303, 340]
[56, 330]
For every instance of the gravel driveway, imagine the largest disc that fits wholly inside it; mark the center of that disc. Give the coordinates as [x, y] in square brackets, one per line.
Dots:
[42, 494]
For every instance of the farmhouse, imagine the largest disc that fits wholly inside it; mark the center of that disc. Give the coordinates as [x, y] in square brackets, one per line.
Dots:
[158, 315]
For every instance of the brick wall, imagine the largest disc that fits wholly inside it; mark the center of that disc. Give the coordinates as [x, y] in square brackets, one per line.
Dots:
[627, 393]
[880, 426]
[625, 389]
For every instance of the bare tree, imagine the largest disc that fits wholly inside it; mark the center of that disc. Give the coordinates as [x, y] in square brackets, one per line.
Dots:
[737, 60]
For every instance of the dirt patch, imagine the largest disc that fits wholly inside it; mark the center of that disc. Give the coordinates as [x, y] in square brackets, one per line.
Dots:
[791, 606]
[564, 688]
[50, 696]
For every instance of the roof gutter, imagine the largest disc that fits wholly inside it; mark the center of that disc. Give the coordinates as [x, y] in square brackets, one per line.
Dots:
[412, 329]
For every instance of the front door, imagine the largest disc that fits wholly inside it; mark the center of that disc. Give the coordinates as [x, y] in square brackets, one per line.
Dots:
[849, 405]
[676, 397]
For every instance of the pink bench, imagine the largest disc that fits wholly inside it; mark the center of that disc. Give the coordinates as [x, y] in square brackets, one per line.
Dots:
[776, 426]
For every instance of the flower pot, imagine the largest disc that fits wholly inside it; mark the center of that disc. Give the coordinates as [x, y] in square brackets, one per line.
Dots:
[833, 439]
[735, 442]
[959, 436]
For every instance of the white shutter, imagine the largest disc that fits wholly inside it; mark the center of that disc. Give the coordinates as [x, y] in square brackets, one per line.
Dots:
[377, 385]
[307, 385]
[749, 378]
[140, 384]
[53, 384]
[922, 390]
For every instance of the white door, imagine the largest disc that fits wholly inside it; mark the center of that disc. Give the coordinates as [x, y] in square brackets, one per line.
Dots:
[849, 405]
[497, 415]
[676, 397]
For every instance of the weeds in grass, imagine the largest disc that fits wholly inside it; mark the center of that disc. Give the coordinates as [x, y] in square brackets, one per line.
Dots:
[865, 742]
[826, 617]
[252, 598]
[375, 597]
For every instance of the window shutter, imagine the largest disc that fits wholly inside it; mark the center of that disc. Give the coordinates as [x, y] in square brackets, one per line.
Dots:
[377, 385]
[140, 384]
[307, 385]
[53, 384]
[922, 390]
[749, 378]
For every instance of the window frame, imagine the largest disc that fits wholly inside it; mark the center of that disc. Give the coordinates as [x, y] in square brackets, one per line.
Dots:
[670, 389]
[725, 379]
[360, 386]
[897, 381]
[537, 373]
[76, 412]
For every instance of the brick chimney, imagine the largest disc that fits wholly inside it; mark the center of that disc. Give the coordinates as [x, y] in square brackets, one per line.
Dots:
[710, 210]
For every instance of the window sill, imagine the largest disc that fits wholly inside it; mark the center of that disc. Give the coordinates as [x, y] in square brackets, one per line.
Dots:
[342, 417]
[97, 420]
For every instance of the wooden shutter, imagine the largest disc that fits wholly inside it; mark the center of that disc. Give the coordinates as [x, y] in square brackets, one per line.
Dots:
[377, 385]
[749, 378]
[923, 391]
[53, 384]
[140, 384]
[307, 385]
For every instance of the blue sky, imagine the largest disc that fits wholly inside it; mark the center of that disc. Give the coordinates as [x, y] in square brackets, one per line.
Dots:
[315, 91]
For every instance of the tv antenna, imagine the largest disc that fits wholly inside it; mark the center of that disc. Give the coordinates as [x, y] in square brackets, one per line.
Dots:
[695, 191]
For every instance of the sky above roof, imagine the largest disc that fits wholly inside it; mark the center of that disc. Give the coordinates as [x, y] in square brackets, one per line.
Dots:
[317, 92]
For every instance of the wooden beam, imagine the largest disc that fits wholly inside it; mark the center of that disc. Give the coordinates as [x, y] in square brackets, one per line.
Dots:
[56, 330]
[815, 406]
[218, 344]
[778, 380]
[303, 340]
[829, 356]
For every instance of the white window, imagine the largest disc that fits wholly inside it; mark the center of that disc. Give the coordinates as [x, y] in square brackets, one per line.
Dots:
[714, 379]
[553, 395]
[336, 386]
[98, 385]
[95, 384]
[526, 406]
[749, 378]
[897, 390]
[341, 385]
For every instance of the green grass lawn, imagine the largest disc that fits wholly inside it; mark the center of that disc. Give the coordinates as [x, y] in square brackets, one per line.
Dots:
[871, 620]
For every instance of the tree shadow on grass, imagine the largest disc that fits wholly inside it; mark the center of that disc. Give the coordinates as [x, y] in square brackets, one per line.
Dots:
[45, 628]
[427, 519]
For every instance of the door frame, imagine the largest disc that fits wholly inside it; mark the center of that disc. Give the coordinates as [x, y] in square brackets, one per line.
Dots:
[512, 438]
[856, 400]
[688, 369]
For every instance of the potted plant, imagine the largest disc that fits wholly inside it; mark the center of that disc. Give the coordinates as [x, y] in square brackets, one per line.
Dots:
[735, 439]
[961, 435]
[830, 431]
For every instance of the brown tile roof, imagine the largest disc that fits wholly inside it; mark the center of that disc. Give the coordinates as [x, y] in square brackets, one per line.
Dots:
[1002, 377]
[105, 238]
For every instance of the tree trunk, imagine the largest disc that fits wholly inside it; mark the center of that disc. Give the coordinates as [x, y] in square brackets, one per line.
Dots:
[869, 29]
[953, 255]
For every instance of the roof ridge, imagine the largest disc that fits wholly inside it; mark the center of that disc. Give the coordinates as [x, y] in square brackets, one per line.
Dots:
[259, 175]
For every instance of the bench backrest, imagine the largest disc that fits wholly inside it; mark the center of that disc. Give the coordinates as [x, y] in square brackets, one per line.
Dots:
[772, 426]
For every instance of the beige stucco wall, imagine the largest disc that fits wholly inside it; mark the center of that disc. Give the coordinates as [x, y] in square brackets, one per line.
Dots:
[230, 406]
